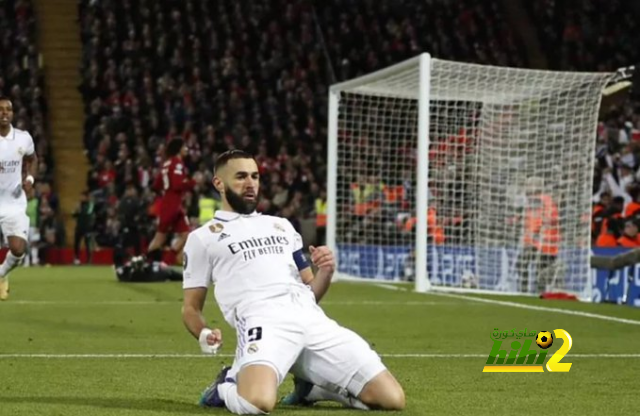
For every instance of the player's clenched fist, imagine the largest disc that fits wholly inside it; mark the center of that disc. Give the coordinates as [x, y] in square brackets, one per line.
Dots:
[322, 258]
[210, 340]
[27, 184]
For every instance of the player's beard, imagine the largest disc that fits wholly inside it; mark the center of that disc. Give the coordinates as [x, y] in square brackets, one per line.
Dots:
[238, 203]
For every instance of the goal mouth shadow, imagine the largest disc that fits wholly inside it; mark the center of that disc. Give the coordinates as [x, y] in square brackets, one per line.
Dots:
[148, 404]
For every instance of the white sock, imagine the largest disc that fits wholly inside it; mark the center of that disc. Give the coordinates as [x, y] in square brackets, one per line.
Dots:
[10, 263]
[34, 255]
[318, 394]
[236, 403]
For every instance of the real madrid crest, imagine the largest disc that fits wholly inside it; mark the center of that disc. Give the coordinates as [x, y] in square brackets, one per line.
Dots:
[216, 228]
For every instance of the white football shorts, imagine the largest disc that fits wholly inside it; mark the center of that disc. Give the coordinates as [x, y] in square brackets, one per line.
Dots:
[14, 223]
[292, 333]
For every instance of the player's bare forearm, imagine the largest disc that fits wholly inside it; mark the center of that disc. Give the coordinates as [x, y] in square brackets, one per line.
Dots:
[192, 310]
[320, 283]
[616, 262]
[193, 320]
[323, 259]
[30, 164]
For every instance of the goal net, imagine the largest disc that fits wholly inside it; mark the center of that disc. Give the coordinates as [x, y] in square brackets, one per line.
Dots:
[463, 176]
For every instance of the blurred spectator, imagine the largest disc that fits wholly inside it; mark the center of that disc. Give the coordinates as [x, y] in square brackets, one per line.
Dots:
[34, 233]
[130, 212]
[85, 217]
[45, 192]
[630, 237]
[52, 233]
[320, 210]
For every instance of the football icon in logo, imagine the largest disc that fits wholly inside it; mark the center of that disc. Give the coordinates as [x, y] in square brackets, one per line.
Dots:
[544, 339]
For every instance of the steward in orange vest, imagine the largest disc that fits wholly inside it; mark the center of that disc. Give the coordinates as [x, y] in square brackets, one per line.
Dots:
[608, 223]
[435, 231]
[598, 213]
[366, 197]
[541, 226]
[541, 242]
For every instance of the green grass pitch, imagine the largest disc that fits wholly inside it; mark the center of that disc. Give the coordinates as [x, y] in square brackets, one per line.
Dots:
[435, 345]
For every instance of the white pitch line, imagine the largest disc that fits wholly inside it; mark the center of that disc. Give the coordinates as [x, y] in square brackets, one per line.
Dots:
[162, 356]
[486, 355]
[175, 302]
[604, 355]
[80, 303]
[382, 302]
[111, 356]
[541, 308]
[388, 286]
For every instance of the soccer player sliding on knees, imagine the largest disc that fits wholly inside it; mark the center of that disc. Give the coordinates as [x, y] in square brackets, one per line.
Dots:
[267, 292]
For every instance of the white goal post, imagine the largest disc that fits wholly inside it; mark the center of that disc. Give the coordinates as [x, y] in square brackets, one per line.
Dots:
[465, 177]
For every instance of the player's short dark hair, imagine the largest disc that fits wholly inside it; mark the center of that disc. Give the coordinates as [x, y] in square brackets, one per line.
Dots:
[225, 157]
[5, 98]
[174, 147]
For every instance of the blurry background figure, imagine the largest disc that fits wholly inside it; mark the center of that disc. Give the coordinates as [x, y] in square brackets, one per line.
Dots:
[208, 203]
[85, 216]
[320, 205]
[541, 236]
[630, 237]
[33, 204]
[130, 210]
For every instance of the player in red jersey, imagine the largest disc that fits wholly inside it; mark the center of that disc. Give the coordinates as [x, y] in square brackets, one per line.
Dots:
[173, 182]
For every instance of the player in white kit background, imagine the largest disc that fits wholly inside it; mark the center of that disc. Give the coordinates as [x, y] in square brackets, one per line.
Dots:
[17, 166]
[267, 291]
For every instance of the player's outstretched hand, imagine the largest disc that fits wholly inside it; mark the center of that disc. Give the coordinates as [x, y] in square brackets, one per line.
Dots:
[210, 340]
[322, 258]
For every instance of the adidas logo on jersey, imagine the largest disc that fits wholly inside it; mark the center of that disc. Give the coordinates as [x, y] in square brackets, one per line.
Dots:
[223, 236]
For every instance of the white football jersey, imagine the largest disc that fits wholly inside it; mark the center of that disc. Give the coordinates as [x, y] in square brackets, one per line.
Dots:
[13, 148]
[248, 258]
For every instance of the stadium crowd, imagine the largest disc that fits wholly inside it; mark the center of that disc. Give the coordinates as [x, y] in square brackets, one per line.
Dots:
[247, 75]
[22, 79]
[226, 75]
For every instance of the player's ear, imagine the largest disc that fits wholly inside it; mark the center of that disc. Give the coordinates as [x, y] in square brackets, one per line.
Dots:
[217, 183]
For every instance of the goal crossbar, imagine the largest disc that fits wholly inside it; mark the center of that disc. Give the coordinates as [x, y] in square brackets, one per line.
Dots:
[388, 82]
